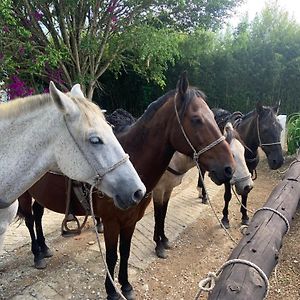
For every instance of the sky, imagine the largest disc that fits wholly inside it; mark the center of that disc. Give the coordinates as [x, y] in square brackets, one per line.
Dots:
[255, 6]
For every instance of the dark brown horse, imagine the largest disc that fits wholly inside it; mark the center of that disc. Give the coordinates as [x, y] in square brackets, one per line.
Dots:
[180, 120]
[258, 128]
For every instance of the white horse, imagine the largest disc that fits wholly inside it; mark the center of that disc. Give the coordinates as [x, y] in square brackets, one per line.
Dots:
[66, 131]
[176, 170]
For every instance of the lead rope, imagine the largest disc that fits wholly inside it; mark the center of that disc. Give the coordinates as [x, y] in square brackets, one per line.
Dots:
[196, 157]
[212, 276]
[99, 245]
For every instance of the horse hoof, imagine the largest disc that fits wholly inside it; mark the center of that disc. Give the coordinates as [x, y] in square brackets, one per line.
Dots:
[225, 224]
[47, 253]
[128, 293]
[161, 252]
[114, 296]
[245, 222]
[166, 244]
[100, 228]
[40, 264]
[204, 200]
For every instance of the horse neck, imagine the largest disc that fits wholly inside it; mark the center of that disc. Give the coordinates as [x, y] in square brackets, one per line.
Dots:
[247, 130]
[27, 142]
[147, 144]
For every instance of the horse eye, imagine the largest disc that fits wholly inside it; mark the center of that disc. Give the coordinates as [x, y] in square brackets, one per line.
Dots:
[197, 121]
[95, 140]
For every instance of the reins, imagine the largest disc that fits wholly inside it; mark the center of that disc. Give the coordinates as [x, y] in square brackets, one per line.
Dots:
[92, 161]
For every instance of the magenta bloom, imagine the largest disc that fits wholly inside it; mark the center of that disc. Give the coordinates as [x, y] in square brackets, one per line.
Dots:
[17, 88]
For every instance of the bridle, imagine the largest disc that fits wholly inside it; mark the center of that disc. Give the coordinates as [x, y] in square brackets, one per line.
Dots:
[93, 162]
[259, 138]
[201, 151]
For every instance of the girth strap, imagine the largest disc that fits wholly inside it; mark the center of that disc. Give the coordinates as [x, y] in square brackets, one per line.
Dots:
[175, 172]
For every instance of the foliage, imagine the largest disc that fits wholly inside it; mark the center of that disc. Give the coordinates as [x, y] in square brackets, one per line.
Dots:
[80, 40]
[257, 61]
[293, 133]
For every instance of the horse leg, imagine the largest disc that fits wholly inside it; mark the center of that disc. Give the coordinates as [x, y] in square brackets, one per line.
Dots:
[99, 224]
[125, 243]
[245, 218]
[38, 212]
[200, 187]
[227, 197]
[111, 234]
[159, 237]
[25, 210]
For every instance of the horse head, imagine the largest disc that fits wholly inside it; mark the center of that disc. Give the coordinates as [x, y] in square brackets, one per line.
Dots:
[88, 150]
[241, 177]
[197, 135]
[268, 132]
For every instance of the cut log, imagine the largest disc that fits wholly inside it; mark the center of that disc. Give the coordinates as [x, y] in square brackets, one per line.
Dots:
[261, 244]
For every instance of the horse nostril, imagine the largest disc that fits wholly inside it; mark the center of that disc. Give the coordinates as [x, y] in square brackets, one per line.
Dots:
[228, 172]
[247, 189]
[138, 196]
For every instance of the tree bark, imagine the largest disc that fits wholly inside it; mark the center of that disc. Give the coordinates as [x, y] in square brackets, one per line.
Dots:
[261, 244]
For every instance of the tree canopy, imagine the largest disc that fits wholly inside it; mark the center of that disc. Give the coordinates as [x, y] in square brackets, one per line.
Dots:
[77, 41]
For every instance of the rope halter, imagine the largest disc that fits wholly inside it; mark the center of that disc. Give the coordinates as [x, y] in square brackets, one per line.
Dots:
[259, 138]
[92, 160]
[201, 151]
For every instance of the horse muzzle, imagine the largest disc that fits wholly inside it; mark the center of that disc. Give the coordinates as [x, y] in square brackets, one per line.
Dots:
[221, 175]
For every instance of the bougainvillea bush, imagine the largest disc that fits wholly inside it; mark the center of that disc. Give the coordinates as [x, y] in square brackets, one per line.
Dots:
[293, 133]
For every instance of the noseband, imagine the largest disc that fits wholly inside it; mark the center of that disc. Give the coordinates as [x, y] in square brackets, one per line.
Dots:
[234, 180]
[92, 160]
[259, 139]
[201, 151]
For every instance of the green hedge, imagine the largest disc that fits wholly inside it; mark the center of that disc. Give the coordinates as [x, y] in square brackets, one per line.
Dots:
[293, 133]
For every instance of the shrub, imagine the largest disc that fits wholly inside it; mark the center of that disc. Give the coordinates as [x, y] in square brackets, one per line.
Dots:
[293, 133]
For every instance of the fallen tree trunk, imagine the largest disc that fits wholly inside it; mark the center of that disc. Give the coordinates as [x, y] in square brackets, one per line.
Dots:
[261, 244]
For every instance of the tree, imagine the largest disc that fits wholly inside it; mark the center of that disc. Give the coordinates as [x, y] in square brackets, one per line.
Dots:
[77, 41]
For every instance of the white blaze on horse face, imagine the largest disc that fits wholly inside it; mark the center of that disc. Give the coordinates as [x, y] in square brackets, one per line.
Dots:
[91, 148]
[241, 177]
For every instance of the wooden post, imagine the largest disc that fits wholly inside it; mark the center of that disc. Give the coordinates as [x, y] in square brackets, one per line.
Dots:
[261, 244]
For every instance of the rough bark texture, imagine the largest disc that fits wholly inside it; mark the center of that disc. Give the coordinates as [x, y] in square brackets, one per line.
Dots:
[262, 242]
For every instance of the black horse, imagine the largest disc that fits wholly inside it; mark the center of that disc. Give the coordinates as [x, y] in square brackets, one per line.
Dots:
[258, 128]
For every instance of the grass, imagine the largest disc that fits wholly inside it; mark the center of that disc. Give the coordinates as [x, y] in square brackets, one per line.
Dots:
[293, 133]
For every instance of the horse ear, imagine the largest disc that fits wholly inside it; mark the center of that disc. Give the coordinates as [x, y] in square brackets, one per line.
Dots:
[183, 83]
[76, 91]
[276, 107]
[259, 107]
[227, 130]
[62, 101]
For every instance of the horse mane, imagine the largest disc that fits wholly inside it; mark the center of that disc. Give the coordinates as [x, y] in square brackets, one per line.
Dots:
[17, 106]
[154, 106]
[14, 108]
[120, 119]
[190, 94]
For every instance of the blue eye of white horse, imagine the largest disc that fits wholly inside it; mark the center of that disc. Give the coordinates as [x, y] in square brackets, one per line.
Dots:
[95, 140]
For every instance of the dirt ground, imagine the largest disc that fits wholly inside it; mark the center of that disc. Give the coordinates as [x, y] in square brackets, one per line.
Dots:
[76, 272]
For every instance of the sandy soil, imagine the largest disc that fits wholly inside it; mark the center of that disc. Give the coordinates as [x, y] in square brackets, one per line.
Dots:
[204, 247]
[75, 272]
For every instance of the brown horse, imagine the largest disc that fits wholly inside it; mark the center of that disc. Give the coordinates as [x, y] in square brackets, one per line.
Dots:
[180, 120]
